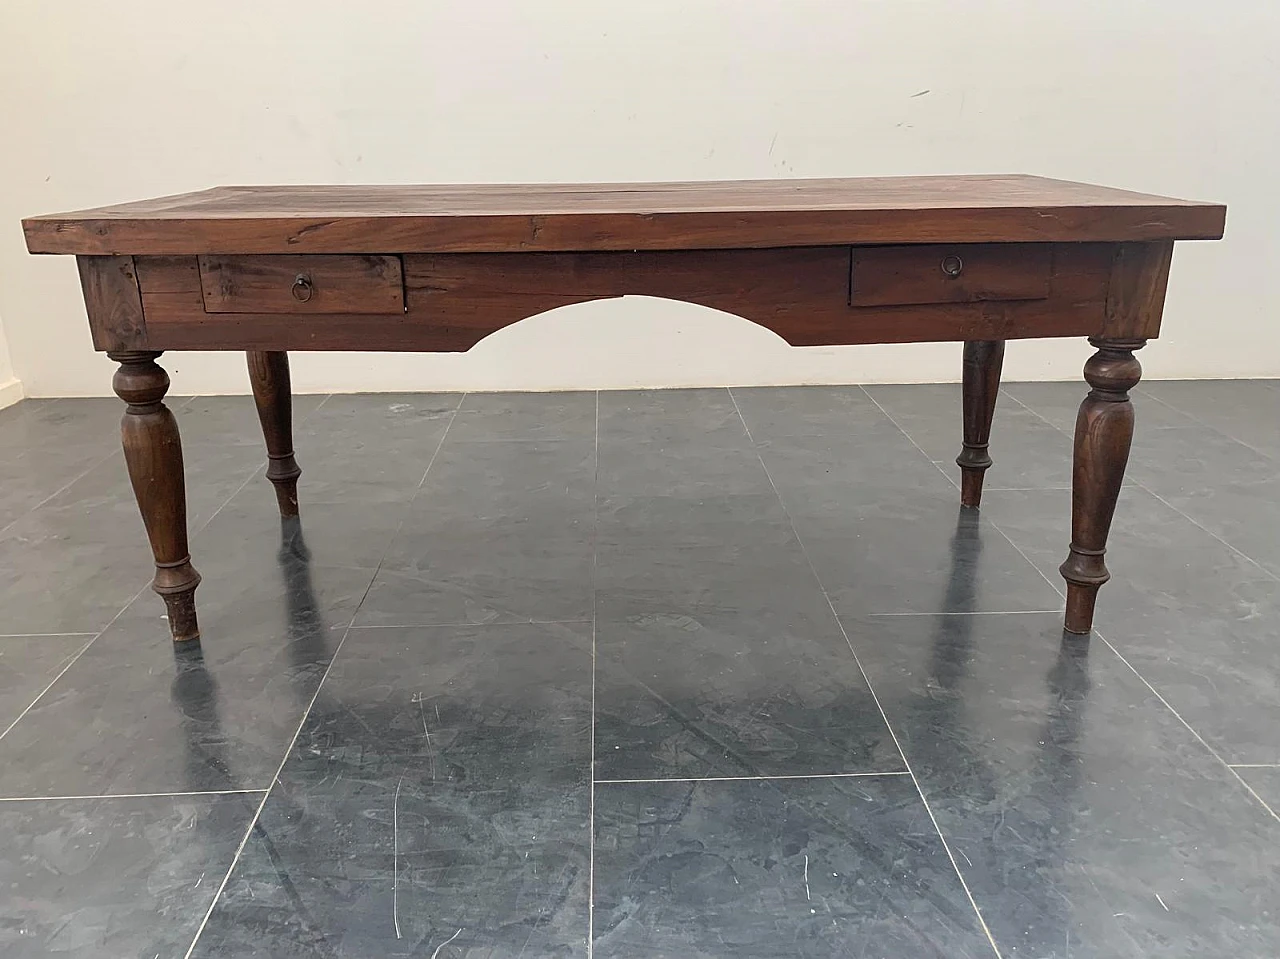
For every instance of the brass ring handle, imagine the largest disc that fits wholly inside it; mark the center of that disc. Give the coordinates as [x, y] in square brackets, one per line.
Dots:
[952, 265]
[302, 288]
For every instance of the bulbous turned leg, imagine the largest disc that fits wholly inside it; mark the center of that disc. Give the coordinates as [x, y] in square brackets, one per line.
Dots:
[153, 453]
[1104, 431]
[272, 392]
[982, 362]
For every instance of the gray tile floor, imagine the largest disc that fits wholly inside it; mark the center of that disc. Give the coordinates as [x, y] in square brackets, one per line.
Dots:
[704, 673]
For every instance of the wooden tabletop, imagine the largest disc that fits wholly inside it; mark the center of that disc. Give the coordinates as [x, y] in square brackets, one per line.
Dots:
[623, 216]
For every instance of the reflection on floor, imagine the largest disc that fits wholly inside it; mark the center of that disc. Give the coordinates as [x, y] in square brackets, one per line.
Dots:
[693, 673]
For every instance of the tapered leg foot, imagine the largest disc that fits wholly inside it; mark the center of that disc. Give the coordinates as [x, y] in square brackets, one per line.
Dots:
[1104, 432]
[153, 454]
[284, 477]
[182, 614]
[982, 362]
[1080, 603]
[272, 392]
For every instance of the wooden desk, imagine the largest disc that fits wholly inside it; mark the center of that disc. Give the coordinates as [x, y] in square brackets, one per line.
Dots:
[437, 268]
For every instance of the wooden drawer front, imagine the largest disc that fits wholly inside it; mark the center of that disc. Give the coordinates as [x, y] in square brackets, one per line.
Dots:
[956, 273]
[454, 300]
[302, 284]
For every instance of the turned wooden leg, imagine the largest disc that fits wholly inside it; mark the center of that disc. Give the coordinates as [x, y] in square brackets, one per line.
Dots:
[982, 362]
[1104, 430]
[153, 453]
[269, 373]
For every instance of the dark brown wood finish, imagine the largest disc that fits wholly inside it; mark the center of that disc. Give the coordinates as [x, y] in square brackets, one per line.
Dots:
[1104, 431]
[554, 217]
[113, 302]
[981, 385]
[455, 300]
[952, 273]
[978, 259]
[1135, 293]
[272, 392]
[153, 453]
[168, 274]
[302, 284]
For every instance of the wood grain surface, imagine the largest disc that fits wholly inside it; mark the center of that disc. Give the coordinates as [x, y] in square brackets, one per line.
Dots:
[1135, 296]
[113, 302]
[333, 284]
[623, 216]
[439, 268]
[899, 275]
[455, 300]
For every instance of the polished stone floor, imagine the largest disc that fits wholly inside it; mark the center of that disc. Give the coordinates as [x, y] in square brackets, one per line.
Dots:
[704, 673]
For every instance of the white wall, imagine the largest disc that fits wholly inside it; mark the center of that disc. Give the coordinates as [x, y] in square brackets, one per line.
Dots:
[107, 102]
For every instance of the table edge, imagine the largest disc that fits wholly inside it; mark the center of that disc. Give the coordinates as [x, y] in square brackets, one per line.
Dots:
[583, 232]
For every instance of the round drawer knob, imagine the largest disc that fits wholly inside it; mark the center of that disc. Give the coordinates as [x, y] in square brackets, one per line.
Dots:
[952, 265]
[302, 288]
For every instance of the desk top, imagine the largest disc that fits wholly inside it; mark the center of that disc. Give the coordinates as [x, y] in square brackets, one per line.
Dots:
[624, 216]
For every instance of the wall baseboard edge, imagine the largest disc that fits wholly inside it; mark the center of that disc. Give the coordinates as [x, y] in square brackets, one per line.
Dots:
[10, 393]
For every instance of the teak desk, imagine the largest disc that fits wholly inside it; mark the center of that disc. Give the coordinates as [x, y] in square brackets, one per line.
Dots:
[978, 259]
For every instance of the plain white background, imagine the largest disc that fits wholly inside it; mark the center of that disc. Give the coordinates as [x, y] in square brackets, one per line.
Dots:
[109, 102]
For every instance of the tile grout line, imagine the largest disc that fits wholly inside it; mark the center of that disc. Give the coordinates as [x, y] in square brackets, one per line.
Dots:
[1142, 486]
[253, 823]
[61, 489]
[70, 662]
[518, 622]
[910, 772]
[422, 482]
[238, 490]
[1009, 539]
[391, 541]
[1191, 729]
[591, 817]
[1209, 426]
[1030, 562]
[910, 439]
[736, 779]
[1035, 413]
[120, 612]
[1177, 715]
[971, 612]
[1243, 555]
[197, 792]
[994, 526]
[42, 635]
[1025, 489]
[350, 626]
[937, 464]
[1169, 706]
[78, 477]
[865, 678]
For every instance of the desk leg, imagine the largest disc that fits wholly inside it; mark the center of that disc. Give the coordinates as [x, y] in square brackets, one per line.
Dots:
[1104, 430]
[982, 362]
[153, 453]
[272, 392]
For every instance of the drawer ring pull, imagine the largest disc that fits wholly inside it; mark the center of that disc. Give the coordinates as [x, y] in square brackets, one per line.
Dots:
[302, 288]
[952, 265]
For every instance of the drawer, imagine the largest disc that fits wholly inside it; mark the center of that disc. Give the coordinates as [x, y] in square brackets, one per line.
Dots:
[302, 284]
[956, 273]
